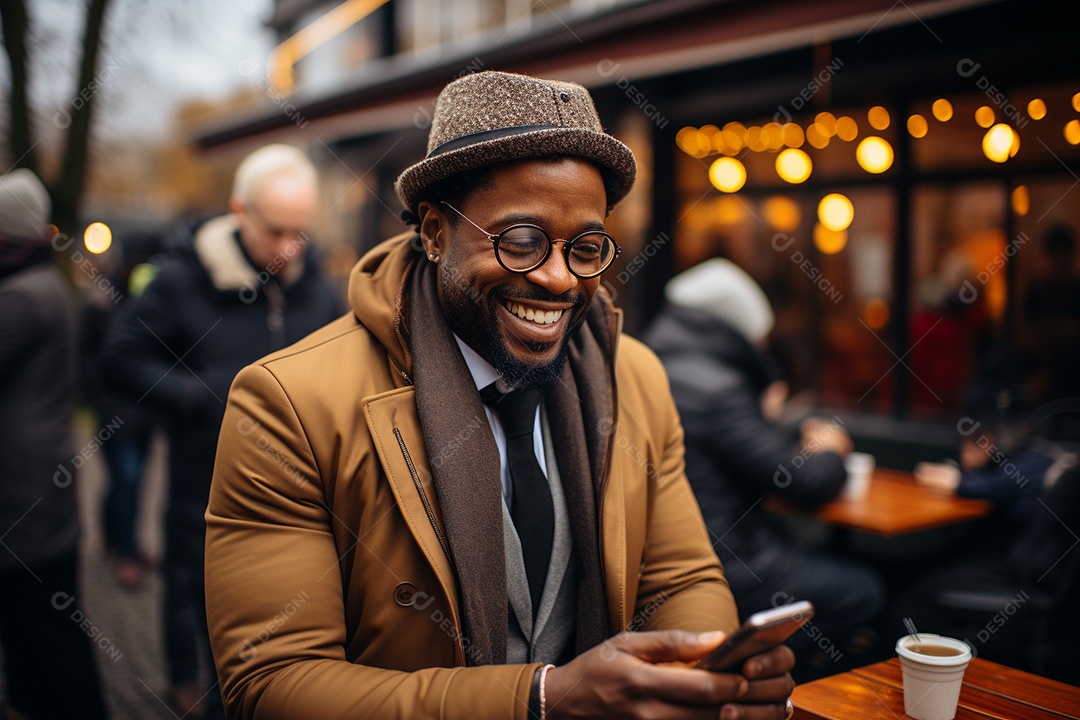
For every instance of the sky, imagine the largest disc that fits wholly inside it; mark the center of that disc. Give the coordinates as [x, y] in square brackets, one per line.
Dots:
[155, 55]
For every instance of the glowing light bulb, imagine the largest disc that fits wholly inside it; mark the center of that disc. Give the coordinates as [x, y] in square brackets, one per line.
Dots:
[942, 110]
[816, 135]
[1072, 132]
[829, 242]
[875, 154]
[1036, 109]
[727, 174]
[97, 237]
[781, 213]
[878, 117]
[998, 142]
[916, 125]
[846, 128]
[793, 165]
[836, 212]
[1021, 200]
[793, 135]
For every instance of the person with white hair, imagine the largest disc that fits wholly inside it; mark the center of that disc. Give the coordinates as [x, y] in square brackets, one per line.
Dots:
[231, 289]
[711, 337]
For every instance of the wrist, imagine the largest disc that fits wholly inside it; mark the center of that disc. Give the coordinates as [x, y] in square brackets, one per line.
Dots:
[538, 693]
[534, 695]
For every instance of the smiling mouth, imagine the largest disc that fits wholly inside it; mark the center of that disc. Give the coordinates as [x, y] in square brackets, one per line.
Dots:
[540, 317]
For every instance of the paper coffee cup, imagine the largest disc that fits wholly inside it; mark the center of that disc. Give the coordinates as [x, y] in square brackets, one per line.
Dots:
[860, 468]
[933, 668]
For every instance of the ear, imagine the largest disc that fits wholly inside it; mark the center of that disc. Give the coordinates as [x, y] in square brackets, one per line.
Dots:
[236, 205]
[432, 228]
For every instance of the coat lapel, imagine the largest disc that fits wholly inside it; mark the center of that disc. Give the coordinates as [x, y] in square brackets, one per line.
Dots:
[392, 422]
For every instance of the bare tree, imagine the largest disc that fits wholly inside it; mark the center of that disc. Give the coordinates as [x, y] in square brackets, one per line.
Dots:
[67, 188]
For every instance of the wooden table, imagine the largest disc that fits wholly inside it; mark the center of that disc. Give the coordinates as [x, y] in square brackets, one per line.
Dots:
[989, 691]
[896, 504]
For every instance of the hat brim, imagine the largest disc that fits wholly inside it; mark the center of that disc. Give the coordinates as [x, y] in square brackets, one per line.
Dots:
[600, 148]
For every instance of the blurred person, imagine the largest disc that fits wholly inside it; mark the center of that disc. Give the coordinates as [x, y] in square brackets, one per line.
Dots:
[49, 667]
[425, 509]
[1008, 555]
[711, 336]
[130, 425]
[1050, 332]
[1056, 295]
[950, 321]
[997, 459]
[229, 290]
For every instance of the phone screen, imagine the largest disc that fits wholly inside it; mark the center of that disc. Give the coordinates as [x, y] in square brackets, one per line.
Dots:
[761, 632]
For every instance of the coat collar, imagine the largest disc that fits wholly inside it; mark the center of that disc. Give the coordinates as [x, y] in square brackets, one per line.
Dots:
[217, 246]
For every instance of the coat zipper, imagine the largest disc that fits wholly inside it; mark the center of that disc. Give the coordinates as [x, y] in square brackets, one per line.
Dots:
[423, 495]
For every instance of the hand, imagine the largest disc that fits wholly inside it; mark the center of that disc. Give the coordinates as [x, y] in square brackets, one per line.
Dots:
[820, 435]
[943, 477]
[645, 675]
[773, 399]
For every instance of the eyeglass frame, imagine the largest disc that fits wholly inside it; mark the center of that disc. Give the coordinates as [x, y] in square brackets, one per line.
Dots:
[272, 230]
[495, 238]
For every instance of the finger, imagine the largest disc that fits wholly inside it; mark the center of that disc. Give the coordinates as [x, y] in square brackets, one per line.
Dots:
[770, 690]
[777, 661]
[667, 645]
[671, 711]
[689, 686]
[754, 712]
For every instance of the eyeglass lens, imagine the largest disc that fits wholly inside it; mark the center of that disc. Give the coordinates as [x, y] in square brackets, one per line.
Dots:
[524, 248]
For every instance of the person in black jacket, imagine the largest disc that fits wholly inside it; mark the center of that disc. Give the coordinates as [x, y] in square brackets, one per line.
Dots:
[710, 335]
[49, 667]
[230, 290]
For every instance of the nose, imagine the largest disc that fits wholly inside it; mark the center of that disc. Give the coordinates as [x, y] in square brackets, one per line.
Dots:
[554, 275]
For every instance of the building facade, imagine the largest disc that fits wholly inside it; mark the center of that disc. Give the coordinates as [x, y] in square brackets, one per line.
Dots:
[901, 178]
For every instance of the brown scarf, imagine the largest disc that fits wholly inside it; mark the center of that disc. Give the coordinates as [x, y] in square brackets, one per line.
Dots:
[467, 481]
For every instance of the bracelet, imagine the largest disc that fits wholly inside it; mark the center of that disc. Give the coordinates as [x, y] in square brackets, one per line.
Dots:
[543, 691]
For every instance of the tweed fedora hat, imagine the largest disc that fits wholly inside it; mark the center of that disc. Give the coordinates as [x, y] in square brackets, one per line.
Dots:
[490, 117]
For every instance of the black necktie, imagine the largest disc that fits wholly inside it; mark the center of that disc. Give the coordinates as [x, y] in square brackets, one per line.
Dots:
[531, 507]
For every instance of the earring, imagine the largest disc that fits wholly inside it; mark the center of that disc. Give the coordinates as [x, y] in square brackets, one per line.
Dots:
[432, 255]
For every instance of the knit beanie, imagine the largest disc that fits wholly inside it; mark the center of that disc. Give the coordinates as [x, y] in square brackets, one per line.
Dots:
[724, 290]
[24, 207]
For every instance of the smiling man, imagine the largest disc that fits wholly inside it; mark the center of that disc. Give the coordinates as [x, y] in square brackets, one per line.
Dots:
[466, 499]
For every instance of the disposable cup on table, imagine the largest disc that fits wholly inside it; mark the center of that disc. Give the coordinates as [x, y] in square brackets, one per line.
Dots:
[860, 468]
[932, 681]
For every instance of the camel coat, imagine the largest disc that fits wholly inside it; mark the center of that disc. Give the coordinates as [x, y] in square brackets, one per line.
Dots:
[330, 592]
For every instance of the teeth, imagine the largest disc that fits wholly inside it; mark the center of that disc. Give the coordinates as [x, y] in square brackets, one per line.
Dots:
[537, 316]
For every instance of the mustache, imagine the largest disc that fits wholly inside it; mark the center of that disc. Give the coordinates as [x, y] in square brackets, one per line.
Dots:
[570, 297]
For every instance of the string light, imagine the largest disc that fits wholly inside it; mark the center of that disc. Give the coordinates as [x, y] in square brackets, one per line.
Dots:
[727, 174]
[793, 165]
[874, 154]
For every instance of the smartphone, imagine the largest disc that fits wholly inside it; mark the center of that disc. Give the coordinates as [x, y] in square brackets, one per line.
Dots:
[761, 632]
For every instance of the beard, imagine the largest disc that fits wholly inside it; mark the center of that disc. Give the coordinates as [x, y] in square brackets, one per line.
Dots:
[475, 320]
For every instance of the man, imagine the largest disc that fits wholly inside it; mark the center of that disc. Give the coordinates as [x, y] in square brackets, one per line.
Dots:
[49, 667]
[381, 545]
[232, 289]
[711, 337]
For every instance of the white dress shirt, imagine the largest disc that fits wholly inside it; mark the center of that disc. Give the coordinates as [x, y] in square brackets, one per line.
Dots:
[484, 374]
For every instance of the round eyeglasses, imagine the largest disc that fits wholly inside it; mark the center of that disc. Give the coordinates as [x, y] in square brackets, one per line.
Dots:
[524, 247]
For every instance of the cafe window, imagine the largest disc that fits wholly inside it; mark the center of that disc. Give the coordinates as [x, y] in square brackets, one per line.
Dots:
[958, 292]
[810, 206]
